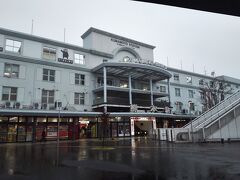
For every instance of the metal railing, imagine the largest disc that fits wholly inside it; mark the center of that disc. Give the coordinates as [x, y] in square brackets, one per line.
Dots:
[215, 111]
[125, 101]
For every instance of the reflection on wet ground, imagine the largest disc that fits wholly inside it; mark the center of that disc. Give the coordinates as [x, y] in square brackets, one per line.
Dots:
[130, 159]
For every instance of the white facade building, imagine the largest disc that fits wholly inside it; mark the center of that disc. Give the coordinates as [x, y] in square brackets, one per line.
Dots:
[109, 73]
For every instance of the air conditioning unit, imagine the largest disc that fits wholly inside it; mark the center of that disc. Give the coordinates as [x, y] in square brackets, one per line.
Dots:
[44, 106]
[8, 104]
[57, 104]
[185, 111]
[17, 105]
[36, 105]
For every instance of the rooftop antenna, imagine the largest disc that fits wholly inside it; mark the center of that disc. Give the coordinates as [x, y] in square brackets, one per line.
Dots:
[193, 67]
[32, 28]
[167, 61]
[213, 73]
[181, 64]
[205, 71]
[64, 35]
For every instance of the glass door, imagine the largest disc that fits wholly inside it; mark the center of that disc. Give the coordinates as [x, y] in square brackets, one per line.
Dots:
[12, 132]
[114, 129]
[21, 136]
[29, 133]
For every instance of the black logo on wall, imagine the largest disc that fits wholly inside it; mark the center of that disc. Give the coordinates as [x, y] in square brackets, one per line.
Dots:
[65, 56]
[1, 49]
[64, 53]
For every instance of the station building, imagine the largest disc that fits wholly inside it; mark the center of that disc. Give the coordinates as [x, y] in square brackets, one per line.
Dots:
[43, 82]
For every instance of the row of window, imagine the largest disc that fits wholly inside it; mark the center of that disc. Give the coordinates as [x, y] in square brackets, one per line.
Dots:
[178, 93]
[12, 71]
[201, 82]
[179, 106]
[48, 53]
[188, 78]
[10, 94]
[49, 75]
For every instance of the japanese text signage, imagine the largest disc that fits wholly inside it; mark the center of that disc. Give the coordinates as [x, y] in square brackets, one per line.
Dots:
[124, 43]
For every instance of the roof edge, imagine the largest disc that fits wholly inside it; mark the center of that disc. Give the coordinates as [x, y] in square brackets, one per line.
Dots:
[40, 39]
[92, 29]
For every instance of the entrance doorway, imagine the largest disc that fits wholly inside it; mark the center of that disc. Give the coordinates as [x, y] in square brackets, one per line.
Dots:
[142, 126]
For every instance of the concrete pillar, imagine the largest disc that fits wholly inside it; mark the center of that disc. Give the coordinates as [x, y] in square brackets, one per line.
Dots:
[235, 119]
[169, 99]
[151, 90]
[105, 88]
[130, 89]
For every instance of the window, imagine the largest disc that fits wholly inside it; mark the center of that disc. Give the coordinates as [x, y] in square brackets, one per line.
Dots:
[99, 81]
[123, 84]
[178, 106]
[163, 89]
[191, 106]
[79, 98]
[79, 79]
[190, 93]
[47, 96]
[11, 70]
[79, 59]
[13, 46]
[201, 82]
[211, 83]
[49, 53]
[48, 75]
[177, 92]
[189, 79]
[9, 94]
[176, 77]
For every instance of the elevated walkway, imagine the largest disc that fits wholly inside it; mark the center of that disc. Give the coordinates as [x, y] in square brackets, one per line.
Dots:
[221, 122]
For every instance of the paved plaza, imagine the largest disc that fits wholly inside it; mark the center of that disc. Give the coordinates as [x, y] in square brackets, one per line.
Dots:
[131, 158]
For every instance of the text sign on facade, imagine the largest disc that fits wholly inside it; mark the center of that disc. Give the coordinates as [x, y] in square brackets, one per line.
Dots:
[65, 60]
[124, 43]
[143, 61]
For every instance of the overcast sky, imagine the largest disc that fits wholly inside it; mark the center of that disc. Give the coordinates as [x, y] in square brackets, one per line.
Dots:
[180, 35]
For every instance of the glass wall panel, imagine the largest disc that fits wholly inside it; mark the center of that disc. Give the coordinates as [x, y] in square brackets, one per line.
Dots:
[52, 119]
[13, 119]
[114, 129]
[41, 119]
[29, 133]
[3, 132]
[121, 129]
[51, 132]
[22, 119]
[127, 129]
[12, 132]
[21, 134]
[3, 119]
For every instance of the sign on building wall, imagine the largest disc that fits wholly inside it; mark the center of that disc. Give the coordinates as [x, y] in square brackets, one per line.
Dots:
[142, 61]
[65, 57]
[124, 43]
[1, 49]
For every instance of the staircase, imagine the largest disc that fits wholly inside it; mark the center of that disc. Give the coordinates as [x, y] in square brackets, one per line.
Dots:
[221, 121]
[215, 112]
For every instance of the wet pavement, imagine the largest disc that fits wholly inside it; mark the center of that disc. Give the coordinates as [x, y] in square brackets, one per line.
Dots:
[128, 159]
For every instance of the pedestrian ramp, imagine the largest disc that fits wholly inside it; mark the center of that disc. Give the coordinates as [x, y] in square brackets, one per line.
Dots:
[222, 122]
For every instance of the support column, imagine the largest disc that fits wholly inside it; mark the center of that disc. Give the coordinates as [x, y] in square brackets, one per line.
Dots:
[130, 89]
[169, 99]
[151, 90]
[105, 89]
